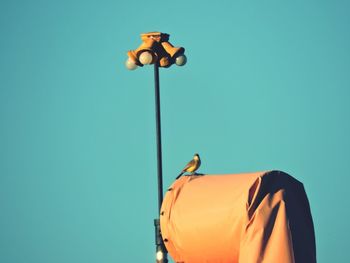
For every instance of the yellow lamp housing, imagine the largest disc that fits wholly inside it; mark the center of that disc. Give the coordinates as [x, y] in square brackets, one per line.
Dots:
[173, 51]
[149, 45]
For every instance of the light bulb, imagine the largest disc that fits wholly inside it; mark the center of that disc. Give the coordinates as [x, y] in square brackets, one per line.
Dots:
[130, 65]
[181, 60]
[146, 58]
[159, 255]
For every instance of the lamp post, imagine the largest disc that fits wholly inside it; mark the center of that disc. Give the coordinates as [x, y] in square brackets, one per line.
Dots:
[156, 49]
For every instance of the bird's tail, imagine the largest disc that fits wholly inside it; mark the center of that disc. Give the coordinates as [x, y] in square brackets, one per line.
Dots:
[179, 175]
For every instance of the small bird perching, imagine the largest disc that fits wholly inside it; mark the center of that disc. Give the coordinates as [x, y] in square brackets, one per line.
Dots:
[192, 166]
[156, 49]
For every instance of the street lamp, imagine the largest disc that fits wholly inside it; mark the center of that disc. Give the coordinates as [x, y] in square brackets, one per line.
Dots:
[156, 49]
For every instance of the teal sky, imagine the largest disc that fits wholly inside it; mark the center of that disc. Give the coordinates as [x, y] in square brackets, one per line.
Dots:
[266, 87]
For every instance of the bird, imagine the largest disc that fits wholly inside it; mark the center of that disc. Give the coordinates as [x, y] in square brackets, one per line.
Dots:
[192, 166]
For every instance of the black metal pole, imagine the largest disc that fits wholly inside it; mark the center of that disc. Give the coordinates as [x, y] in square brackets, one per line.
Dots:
[159, 241]
[159, 140]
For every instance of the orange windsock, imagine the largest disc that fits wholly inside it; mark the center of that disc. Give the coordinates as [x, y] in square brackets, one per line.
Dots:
[238, 218]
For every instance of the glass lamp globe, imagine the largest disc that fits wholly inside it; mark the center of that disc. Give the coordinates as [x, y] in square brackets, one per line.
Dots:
[146, 58]
[181, 60]
[130, 65]
[159, 255]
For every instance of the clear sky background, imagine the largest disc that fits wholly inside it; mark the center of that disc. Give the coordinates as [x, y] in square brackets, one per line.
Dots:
[266, 87]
